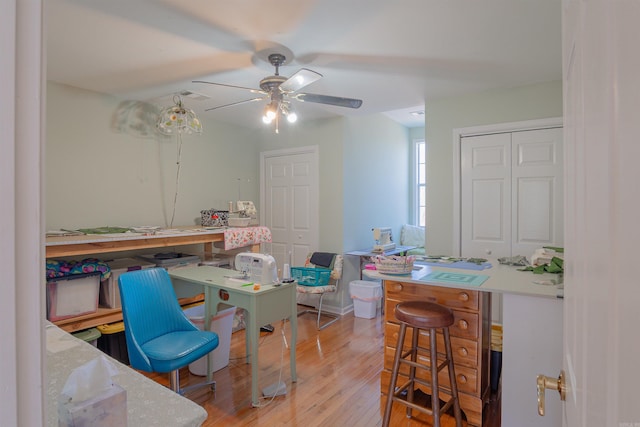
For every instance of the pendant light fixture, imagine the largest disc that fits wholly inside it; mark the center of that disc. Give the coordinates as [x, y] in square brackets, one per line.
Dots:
[178, 119]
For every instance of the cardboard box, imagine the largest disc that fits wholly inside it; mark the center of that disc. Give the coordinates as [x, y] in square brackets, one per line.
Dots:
[109, 290]
[107, 409]
[73, 295]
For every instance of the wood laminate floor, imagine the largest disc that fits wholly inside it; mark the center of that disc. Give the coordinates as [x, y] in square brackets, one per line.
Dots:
[338, 380]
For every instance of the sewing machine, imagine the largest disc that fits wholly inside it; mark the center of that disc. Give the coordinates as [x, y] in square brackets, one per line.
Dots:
[248, 210]
[383, 239]
[259, 268]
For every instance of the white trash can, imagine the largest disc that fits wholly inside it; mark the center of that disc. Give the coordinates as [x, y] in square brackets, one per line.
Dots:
[365, 295]
[221, 324]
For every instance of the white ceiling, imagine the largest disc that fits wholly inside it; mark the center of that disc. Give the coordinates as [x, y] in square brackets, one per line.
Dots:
[394, 55]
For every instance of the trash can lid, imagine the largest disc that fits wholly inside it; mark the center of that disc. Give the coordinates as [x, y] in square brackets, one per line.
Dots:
[88, 335]
[111, 328]
[365, 284]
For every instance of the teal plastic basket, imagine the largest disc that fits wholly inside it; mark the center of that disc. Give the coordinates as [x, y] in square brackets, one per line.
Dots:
[311, 276]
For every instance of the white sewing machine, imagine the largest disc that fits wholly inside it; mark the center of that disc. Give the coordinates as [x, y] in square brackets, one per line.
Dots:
[383, 239]
[259, 268]
[248, 209]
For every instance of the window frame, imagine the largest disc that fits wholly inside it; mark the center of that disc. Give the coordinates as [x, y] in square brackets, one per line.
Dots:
[416, 185]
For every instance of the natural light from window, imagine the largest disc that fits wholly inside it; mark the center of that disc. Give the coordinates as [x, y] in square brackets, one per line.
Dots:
[420, 175]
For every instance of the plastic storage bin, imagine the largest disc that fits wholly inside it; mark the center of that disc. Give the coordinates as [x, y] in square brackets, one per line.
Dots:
[221, 324]
[171, 260]
[88, 335]
[314, 276]
[109, 290]
[113, 341]
[365, 295]
[72, 296]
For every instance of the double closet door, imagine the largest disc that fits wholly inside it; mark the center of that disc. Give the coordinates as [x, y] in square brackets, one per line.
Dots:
[511, 193]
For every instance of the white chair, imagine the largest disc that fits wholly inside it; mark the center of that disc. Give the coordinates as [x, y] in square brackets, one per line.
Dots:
[336, 275]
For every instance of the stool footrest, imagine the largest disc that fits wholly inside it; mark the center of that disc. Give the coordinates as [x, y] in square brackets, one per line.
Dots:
[413, 364]
[419, 315]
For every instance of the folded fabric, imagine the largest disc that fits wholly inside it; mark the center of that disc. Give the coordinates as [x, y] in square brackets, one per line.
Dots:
[61, 268]
[514, 260]
[322, 259]
[242, 237]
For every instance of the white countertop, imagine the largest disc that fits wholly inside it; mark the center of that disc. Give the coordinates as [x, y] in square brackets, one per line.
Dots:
[502, 279]
[148, 403]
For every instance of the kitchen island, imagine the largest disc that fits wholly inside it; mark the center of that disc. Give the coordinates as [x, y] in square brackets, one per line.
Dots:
[532, 334]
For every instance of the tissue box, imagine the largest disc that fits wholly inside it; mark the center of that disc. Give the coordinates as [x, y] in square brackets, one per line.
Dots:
[107, 409]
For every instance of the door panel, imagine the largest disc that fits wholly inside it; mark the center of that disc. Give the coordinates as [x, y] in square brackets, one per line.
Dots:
[486, 195]
[537, 190]
[290, 191]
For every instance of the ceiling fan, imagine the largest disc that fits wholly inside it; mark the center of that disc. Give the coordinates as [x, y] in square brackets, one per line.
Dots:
[279, 90]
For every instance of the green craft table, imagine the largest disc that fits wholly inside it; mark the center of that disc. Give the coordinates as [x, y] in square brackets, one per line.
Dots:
[267, 305]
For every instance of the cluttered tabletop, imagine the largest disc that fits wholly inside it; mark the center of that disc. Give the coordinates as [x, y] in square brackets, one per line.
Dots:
[516, 275]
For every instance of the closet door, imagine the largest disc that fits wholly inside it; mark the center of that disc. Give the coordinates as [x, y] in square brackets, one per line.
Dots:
[511, 193]
[537, 190]
[486, 196]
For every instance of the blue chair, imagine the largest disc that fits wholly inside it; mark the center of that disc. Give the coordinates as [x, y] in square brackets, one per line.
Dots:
[160, 337]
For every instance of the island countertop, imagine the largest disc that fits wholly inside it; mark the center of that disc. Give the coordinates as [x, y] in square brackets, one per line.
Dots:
[501, 279]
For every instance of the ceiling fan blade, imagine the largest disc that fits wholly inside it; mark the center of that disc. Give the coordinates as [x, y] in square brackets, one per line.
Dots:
[237, 87]
[300, 79]
[235, 103]
[329, 100]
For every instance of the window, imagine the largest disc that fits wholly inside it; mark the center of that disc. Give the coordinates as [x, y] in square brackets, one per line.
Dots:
[420, 189]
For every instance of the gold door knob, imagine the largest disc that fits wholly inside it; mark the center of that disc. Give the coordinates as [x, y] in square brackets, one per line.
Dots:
[545, 382]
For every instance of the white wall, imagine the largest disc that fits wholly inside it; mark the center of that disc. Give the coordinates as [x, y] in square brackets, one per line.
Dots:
[442, 116]
[327, 134]
[98, 176]
[363, 182]
[376, 179]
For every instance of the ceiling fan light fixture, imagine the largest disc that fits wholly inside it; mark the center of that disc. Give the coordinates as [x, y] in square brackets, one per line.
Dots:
[178, 119]
[270, 112]
[288, 112]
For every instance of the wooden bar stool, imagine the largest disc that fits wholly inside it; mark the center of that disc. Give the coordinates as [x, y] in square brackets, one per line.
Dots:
[423, 315]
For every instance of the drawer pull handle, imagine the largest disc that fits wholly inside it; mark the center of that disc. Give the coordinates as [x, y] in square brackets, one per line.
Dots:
[463, 296]
[397, 287]
[463, 324]
[463, 351]
[462, 379]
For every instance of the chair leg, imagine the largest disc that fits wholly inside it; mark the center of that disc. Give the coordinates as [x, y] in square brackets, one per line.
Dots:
[319, 313]
[452, 379]
[435, 388]
[394, 376]
[174, 383]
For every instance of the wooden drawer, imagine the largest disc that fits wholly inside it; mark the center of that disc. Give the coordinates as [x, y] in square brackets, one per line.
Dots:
[465, 351]
[452, 298]
[466, 377]
[465, 325]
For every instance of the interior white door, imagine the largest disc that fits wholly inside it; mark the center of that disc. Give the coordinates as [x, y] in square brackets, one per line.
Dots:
[511, 193]
[486, 195]
[291, 206]
[537, 190]
[601, 99]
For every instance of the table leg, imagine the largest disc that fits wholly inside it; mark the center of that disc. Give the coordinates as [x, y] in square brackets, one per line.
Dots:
[293, 319]
[208, 309]
[252, 338]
